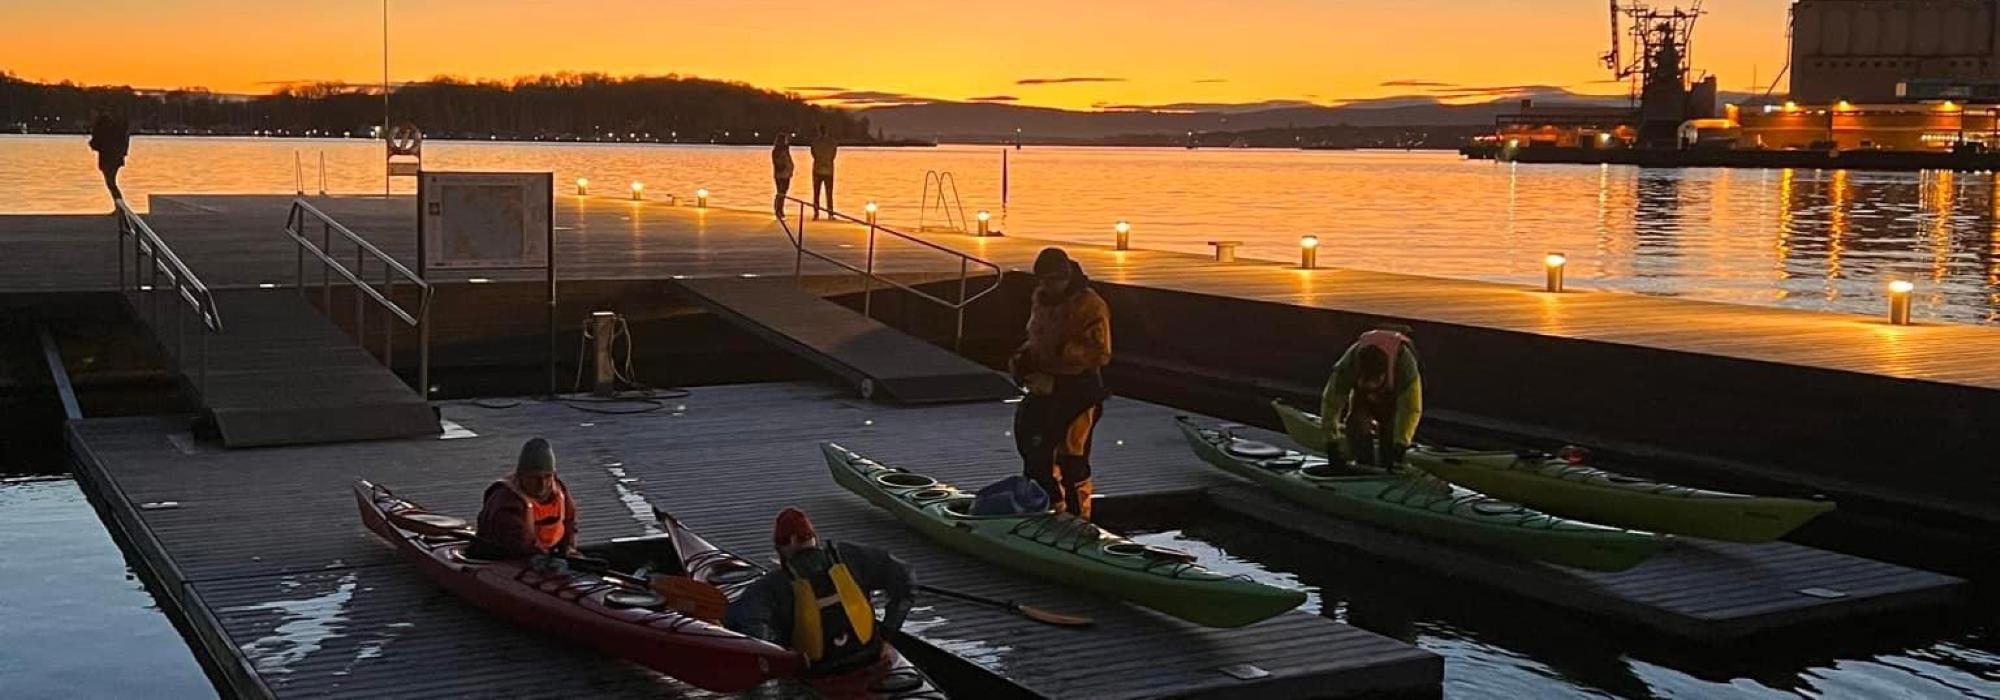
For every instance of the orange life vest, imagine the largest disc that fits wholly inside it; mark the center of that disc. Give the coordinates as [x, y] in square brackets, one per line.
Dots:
[1391, 345]
[545, 518]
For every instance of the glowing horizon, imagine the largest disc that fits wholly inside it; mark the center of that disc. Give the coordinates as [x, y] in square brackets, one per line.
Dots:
[1096, 55]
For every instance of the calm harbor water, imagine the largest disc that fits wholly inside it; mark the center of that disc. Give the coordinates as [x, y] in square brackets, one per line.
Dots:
[1805, 239]
[78, 622]
[1499, 648]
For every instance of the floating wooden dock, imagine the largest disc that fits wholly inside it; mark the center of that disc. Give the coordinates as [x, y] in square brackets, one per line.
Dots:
[261, 555]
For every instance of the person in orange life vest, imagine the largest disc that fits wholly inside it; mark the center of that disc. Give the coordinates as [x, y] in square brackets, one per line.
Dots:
[1374, 400]
[817, 601]
[1069, 343]
[528, 512]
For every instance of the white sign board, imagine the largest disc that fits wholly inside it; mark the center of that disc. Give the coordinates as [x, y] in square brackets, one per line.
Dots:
[486, 221]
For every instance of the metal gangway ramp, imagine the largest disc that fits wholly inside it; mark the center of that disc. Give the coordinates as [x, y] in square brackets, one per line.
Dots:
[879, 361]
[279, 371]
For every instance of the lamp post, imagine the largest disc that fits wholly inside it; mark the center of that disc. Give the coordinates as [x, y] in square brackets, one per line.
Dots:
[1124, 231]
[870, 208]
[1554, 262]
[701, 198]
[582, 186]
[1308, 252]
[1899, 302]
[638, 190]
[984, 216]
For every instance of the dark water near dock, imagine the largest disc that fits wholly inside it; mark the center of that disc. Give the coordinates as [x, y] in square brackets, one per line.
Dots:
[78, 623]
[1496, 646]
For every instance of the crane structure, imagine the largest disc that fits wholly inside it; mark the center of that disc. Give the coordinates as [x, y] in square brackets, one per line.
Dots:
[1652, 47]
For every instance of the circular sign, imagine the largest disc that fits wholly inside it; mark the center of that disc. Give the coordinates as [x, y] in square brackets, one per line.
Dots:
[405, 140]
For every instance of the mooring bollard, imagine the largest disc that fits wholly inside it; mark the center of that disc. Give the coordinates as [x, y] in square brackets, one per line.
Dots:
[1899, 302]
[603, 326]
[1555, 262]
[1225, 251]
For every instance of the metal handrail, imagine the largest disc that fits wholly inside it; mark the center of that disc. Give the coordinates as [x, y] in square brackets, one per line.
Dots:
[296, 221]
[867, 271]
[151, 255]
[946, 207]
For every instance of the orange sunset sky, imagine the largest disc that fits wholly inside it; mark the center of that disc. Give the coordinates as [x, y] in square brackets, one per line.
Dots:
[1134, 52]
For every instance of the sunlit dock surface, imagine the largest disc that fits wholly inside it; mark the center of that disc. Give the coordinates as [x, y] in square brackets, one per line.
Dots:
[262, 552]
[234, 240]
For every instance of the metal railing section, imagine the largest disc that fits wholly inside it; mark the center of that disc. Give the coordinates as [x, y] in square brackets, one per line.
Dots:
[867, 269]
[157, 271]
[951, 212]
[297, 226]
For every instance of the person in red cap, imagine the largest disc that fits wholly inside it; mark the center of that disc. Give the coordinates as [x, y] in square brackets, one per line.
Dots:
[817, 601]
[1069, 343]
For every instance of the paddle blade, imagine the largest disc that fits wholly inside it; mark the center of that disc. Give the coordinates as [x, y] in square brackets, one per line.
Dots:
[1053, 618]
[692, 598]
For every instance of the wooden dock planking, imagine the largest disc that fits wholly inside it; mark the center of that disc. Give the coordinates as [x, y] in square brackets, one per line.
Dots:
[269, 537]
[609, 238]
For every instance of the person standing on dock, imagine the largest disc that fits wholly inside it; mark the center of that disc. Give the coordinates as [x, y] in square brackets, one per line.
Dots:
[824, 149]
[817, 602]
[528, 512]
[1373, 401]
[1061, 365]
[781, 171]
[111, 137]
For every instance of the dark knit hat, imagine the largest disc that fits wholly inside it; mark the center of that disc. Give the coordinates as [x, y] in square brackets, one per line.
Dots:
[1051, 262]
[792, 525]
[536, 458]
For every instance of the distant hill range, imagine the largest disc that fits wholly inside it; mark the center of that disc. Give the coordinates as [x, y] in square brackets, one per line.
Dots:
[989, 122]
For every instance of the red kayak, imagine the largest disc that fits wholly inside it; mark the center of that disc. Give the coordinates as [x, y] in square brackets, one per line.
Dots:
[613, 615]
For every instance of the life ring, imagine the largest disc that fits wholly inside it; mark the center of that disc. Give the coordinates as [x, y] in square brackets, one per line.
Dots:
[406, 140]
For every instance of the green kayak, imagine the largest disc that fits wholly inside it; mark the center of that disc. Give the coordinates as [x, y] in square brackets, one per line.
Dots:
[1423, 504]
[1063, 547]
[1586, 493]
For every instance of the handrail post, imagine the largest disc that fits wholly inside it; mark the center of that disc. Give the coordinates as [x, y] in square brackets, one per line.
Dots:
[424, 349]
[360, 331]
[325, 271]
[958, 334]
[868, 278]
[799, 255]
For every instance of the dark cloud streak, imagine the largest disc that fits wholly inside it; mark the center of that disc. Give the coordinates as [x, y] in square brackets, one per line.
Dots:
[1064, 81]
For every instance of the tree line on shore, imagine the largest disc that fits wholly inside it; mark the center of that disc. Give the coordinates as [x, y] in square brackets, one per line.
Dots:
[560, 106]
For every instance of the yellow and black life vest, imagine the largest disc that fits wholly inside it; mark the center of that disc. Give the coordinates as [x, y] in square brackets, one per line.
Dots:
[832, 621]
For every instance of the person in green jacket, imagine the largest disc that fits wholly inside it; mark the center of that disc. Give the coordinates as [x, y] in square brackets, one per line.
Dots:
[1374, 399]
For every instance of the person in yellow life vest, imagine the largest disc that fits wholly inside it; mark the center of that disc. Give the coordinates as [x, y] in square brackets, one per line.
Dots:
[816, 603]
[1373, 401]
[1061, 366]
[528, 512]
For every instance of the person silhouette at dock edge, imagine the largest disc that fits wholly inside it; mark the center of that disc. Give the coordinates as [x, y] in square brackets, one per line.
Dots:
[817, 603]
[824, 148]
[528, 512]
[781, 171]
[111, 138]
[1374, 400]
[1061, 367]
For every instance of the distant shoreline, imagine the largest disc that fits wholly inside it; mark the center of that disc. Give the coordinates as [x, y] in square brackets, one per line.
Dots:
[886, 143]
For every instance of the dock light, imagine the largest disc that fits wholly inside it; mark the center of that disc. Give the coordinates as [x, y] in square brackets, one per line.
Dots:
[479, 280]
[701, 198]
[1791, 106]
[1899, 302]
[1308, 252]
[870, 208]
[638, 190]
[582, 186]
[1124, 235]
[1555, 263]
[984, 217]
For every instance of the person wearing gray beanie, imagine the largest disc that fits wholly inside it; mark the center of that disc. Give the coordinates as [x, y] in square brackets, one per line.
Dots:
[529, 511]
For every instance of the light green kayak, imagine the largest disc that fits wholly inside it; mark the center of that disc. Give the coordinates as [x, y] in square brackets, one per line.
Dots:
[1062, 547]
[1422, 504]
[1586, 493]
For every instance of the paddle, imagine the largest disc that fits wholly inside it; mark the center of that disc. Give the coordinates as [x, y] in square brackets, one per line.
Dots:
[1028, 611]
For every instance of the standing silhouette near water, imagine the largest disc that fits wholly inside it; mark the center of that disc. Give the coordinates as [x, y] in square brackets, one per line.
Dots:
[111, 138]
[781, 172]
[824, 149]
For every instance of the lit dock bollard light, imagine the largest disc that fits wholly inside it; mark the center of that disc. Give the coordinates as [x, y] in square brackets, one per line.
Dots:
[701, 198]
[638, 190]
[1308, 252]
[582, 186]
[984, 218]
[870, 208]
[1899, 302]
[1555, 262]
[1124, 235]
